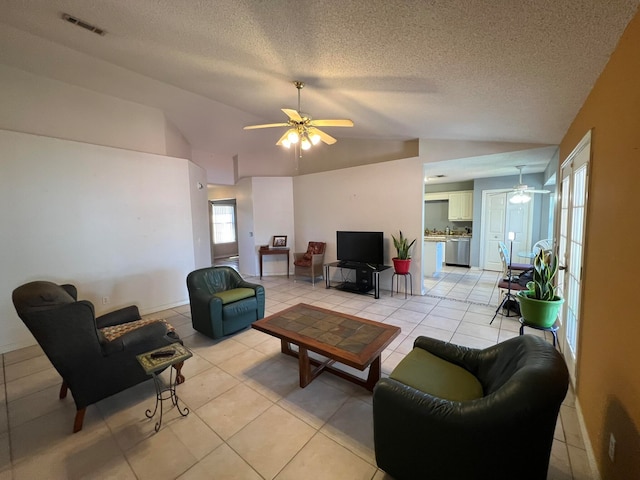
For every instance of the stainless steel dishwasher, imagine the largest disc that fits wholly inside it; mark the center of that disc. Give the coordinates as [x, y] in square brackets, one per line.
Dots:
[457, 251]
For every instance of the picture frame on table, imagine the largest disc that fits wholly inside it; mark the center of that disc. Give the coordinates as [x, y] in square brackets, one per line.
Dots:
[279, 241]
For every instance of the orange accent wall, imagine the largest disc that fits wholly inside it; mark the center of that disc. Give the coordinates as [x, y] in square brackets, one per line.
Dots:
[608, 377]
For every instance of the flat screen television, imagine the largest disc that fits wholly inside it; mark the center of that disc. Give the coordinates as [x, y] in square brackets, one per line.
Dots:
[360, 247]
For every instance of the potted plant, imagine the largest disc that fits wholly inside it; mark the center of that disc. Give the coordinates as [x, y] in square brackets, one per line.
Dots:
[402, 261]
[539, 305]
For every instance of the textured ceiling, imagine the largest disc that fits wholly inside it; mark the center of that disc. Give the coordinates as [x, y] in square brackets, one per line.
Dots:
[497, 70]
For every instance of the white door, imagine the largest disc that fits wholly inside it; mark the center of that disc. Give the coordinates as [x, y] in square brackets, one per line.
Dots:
[573, 216]
[494, 229]
[518, 221]
[500, 218]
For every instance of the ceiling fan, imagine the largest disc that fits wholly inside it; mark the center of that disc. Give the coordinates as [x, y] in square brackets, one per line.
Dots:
[521, 190]
[302, 128]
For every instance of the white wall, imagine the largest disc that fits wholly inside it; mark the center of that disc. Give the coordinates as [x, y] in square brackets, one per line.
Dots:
[219, 167]
[116, 223]
[200, 214]
[246, 244]
[265, 208]
[176, 144]
[273, 215]
[43, 106]
[385, 197]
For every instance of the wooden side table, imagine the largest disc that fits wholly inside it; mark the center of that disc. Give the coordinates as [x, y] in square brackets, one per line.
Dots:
[153, 365]
[273, 251]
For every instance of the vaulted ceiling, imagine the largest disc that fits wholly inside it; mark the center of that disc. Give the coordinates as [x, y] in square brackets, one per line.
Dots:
[497, 70]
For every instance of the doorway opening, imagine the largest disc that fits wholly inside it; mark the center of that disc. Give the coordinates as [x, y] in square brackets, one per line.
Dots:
[224, 232]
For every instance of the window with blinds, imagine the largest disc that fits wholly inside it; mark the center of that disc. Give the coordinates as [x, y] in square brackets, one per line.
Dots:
[224, 223]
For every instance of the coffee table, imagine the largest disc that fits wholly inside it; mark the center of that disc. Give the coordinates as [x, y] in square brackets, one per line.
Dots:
[350, 340]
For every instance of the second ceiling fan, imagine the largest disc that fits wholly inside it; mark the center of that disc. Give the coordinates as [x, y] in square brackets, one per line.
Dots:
[521, 191]
[302, 128]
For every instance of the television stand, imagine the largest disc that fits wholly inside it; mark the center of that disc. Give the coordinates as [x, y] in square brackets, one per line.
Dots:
[367, 277]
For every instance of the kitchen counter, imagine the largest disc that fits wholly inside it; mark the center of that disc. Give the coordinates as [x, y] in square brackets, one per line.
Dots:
[443, 238]
[433, 257]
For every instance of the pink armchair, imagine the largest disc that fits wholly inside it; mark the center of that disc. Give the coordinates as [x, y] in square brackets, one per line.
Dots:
[310, 263]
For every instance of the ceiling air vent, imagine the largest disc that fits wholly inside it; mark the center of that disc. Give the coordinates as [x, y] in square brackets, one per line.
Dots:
[80, 23]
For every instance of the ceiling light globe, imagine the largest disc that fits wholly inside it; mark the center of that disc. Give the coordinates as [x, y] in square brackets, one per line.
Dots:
[286, 143]
[305, 144]
[293, 136]
[315, 138]
[519, 198]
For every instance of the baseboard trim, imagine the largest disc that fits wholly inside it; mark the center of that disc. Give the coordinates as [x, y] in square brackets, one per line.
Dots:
[587, 443]
[160, 308]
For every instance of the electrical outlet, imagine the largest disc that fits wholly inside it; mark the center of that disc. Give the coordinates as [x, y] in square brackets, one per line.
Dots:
[612, 447]
[105, 300]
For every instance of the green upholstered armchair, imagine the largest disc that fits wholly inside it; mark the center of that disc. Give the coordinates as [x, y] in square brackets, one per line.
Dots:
[96, 357]
[453, 412]
[222, 302]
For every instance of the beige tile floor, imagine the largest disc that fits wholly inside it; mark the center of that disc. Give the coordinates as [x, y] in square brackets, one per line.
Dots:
[249, 419]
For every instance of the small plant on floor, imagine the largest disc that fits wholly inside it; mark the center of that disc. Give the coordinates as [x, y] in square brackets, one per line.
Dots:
[403, 246]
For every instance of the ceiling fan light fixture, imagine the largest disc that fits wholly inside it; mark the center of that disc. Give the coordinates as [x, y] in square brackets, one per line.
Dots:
[293, 136]
[315, 138]
[520, 198]
[302, 129]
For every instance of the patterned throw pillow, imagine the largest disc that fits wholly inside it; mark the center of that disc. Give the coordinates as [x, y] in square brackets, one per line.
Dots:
[115, 331]
[314, 248]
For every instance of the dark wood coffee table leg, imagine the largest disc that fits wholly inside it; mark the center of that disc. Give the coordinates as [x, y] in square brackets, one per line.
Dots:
[307, 374]
[374, 374]
[304, 366]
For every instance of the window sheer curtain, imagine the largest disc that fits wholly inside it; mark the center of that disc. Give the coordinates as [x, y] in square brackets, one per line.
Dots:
[224, 224]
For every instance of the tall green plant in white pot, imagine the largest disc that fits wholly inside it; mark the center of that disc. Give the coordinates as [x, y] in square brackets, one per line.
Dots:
[402, 262]
[540, 304]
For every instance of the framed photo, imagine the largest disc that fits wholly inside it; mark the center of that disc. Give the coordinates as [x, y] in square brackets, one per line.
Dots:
[279, 240]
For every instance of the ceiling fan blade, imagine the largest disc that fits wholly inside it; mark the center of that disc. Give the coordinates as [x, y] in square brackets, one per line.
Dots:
[266, 125]
[325, 137]
[282, 138]
[292, 114]
[537, 191]
[338, 122]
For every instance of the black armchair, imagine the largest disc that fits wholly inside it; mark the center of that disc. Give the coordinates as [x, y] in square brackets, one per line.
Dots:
[493, 416]
[222, 302]
[96, 357]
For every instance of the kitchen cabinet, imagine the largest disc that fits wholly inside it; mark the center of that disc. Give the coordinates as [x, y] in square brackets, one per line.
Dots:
[461, 206]
[435, 196]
